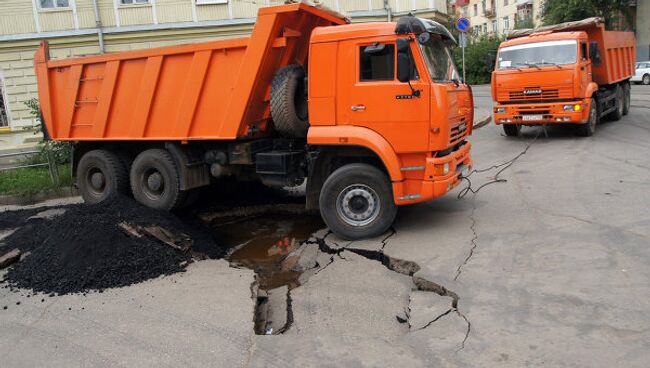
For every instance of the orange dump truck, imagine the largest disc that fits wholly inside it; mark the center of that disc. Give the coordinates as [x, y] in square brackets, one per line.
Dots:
[371, 115]
[570, 73]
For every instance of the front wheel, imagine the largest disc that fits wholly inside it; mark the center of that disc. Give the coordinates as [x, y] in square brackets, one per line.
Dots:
[587, 129]
[356, 202]
[512, 130]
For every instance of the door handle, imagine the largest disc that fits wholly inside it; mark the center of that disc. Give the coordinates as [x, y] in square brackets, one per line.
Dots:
[358, 107]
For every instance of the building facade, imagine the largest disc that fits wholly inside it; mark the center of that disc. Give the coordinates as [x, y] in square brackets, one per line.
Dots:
[499, 16]
[87, 27]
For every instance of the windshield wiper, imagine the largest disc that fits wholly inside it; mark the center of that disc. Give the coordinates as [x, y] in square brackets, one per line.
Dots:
[550, 63]
[529, 64]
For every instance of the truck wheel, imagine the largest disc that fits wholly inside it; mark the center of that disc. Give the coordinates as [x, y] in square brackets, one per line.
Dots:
[155, 181]
[617, 114]
[626, 98]
[646, 79]
[356, 202]
[101, 174]
[512, 130]
[289, 102]
[587, 129]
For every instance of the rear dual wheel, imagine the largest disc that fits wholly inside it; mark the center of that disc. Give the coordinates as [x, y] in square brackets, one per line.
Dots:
[100, 175]
[155, 181]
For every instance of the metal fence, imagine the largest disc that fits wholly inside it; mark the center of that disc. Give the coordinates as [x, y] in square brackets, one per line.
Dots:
[51, 164]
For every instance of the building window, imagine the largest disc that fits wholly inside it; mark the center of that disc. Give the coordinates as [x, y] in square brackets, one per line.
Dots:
[483, 6]
[199, 2]
[506, 23]
[377, 62]
[475, 10]
[132, 2]
[4, 117]
[465, 11]
[494, 26]
[53, 4]
[505, 2]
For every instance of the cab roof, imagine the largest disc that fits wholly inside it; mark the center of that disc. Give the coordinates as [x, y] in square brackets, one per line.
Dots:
[350, 31]
[544, 36]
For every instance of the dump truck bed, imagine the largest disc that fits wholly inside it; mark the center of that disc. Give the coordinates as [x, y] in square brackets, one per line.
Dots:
[216, 90]
[617, 49]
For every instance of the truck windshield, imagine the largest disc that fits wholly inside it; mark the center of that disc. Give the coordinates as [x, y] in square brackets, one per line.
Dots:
[538, 54]
[439, 61]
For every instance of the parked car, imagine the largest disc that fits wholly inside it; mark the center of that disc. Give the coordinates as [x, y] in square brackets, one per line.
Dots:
[642, 74]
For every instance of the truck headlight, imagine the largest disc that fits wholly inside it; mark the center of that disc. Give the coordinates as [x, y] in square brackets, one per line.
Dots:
[441, 169]
[568, 107]
[500, 110]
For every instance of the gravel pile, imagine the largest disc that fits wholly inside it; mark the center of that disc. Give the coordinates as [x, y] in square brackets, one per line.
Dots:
[84, 249]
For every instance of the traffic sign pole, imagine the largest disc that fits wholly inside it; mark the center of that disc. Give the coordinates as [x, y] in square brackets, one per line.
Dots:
[463, 25]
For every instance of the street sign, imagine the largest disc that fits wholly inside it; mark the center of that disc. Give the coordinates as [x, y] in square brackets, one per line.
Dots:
[462, 24]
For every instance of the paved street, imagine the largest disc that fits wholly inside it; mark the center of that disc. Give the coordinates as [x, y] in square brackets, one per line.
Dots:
[546, 267]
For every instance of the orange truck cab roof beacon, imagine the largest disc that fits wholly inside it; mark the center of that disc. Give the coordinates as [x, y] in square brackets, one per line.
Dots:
[370, 115]
[570, 73]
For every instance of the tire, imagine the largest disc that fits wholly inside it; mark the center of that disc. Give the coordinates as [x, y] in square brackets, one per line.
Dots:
[587, 129]
[289, 102]
[617, 114]
[354, 188]
[155, 181]
[646, 79]
[100, 175]
[512, 130]
[627, 98]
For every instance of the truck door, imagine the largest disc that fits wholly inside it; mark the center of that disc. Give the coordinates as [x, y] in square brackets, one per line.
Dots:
[373, 97]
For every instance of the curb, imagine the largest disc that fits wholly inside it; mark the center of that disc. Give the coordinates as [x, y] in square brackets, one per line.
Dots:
[483, 122]
[23, 200]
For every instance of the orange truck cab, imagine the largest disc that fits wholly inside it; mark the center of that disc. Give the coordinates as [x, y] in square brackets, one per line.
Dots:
[372, 116]
[570, 73]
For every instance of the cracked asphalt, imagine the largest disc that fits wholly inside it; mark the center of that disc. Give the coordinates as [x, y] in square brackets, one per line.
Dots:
[545, 265]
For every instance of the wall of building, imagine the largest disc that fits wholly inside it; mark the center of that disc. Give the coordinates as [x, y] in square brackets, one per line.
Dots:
[499, 16]
[71, 32]
[643, 30]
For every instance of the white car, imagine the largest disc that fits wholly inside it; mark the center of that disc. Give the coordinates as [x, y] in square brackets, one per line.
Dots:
[642, 74]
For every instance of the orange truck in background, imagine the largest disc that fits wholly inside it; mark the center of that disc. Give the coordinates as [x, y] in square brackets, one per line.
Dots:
[570, 73]
[371, 115]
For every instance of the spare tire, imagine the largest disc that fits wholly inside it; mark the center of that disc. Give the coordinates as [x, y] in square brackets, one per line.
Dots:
[289, 102]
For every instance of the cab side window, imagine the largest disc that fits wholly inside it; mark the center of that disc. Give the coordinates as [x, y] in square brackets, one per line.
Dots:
[377, 62]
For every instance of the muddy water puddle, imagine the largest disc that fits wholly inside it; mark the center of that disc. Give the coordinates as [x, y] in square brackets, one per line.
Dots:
[261, 242]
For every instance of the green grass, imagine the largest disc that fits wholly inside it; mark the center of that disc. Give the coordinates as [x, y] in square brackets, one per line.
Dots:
[29, 181]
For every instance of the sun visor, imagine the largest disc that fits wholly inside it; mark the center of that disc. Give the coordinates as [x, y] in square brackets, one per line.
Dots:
[411, 24]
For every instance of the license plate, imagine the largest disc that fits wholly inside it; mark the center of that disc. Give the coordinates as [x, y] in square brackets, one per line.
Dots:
[531, 117]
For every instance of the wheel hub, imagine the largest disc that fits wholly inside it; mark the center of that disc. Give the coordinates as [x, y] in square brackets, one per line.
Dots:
[155, 182]
[358, 205]
[97, 181]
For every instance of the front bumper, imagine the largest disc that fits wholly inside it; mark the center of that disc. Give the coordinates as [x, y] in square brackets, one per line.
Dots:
[432, 186]
[542, 113]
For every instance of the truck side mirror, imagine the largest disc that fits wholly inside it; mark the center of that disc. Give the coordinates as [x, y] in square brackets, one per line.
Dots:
[404, 63]
[594, 53]
[376, 49]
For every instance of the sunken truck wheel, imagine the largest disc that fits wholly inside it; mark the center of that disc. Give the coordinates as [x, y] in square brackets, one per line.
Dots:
[289, 102]
[155, 181]
[512, 130]
[356, 202]
[101, 174]
[587, 129]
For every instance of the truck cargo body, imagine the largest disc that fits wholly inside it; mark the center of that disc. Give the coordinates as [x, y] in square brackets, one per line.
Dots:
[360, 111]
[551, 75]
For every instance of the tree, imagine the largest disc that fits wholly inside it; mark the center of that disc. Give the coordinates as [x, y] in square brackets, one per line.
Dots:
[559, 11]
[479, 58]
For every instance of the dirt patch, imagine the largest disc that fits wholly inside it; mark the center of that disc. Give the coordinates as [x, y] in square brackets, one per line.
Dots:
[85, 248]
